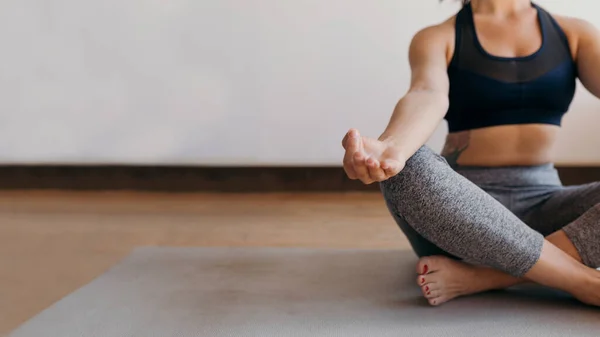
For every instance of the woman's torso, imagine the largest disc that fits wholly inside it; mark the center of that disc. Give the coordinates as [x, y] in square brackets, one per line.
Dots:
[511, 81]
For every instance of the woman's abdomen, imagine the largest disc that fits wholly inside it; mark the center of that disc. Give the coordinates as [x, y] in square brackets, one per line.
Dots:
[508, 145]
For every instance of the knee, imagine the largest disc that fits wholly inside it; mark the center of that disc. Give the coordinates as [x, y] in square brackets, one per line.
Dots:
[420, 174]
[425, 160]
[596, 215]
[593, 214]
[584, 233]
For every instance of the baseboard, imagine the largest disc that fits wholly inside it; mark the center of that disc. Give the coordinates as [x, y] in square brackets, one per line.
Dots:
[208, 179]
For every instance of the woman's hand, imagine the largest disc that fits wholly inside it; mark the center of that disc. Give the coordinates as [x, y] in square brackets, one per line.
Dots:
[370, 160]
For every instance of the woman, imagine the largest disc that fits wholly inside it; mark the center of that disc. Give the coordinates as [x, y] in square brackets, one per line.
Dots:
[490, 212]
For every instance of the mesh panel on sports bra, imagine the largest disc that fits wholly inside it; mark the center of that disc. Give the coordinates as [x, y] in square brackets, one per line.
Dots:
[469, 56]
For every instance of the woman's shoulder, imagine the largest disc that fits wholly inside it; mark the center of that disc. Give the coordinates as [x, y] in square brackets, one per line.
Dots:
[577, 31]
[439, 31]
[571, 23]
[437, 35]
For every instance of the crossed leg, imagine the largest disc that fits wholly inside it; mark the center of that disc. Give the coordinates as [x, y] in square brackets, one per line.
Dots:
[461, 219]
[442, 279]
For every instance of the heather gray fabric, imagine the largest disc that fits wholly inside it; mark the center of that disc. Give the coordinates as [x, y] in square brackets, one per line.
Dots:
[279, 292]
[459, 217]
[536, 195]
[491, 216]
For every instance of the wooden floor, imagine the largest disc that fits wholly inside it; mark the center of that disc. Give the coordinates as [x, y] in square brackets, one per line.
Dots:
[52, 243]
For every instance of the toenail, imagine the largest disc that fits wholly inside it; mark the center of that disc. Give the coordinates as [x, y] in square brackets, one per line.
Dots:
[429, 293]
[426, 288]
[425, 269]
[434, 302]
[422, 280]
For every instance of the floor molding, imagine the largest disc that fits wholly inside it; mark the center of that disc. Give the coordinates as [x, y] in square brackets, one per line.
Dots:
[208, 179]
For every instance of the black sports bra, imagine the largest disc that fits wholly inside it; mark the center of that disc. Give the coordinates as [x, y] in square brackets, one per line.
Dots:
[487, 90]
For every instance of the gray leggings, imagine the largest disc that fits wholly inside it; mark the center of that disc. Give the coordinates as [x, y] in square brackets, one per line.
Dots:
[496, 217]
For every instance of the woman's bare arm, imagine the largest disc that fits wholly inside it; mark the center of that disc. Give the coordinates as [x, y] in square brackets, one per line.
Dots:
[587, 51]
[419, 112]
[415, 117]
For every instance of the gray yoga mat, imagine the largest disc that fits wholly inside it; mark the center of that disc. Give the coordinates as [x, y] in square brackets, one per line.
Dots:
[264, 292]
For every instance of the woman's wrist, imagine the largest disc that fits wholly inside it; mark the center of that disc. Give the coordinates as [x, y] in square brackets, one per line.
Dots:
[396, 145]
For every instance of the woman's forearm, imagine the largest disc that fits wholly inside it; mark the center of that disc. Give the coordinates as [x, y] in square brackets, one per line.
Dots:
[414, 120]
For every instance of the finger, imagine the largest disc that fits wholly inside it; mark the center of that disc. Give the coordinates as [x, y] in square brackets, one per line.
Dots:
[351, 145]
[352, 133]
[375, 171]
[391, 167]
[349, 168]
[345, 139]
[360, 167]
[353, 142]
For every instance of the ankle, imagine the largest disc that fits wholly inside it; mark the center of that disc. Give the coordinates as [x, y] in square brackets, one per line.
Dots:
[589, 289]
[491, 279]
[591, 279]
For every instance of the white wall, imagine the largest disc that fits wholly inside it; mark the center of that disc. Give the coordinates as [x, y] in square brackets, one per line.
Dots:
[218, 82]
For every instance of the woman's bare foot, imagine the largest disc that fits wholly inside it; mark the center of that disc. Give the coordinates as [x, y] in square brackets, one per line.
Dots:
[442, 279]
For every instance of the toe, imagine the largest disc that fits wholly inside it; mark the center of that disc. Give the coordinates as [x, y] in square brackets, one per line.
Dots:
[434, 301]
[430, 293]
[426, 288]
[437, 301]
[423, 280]
[424, 265]
[430, 264]
[433, 294]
